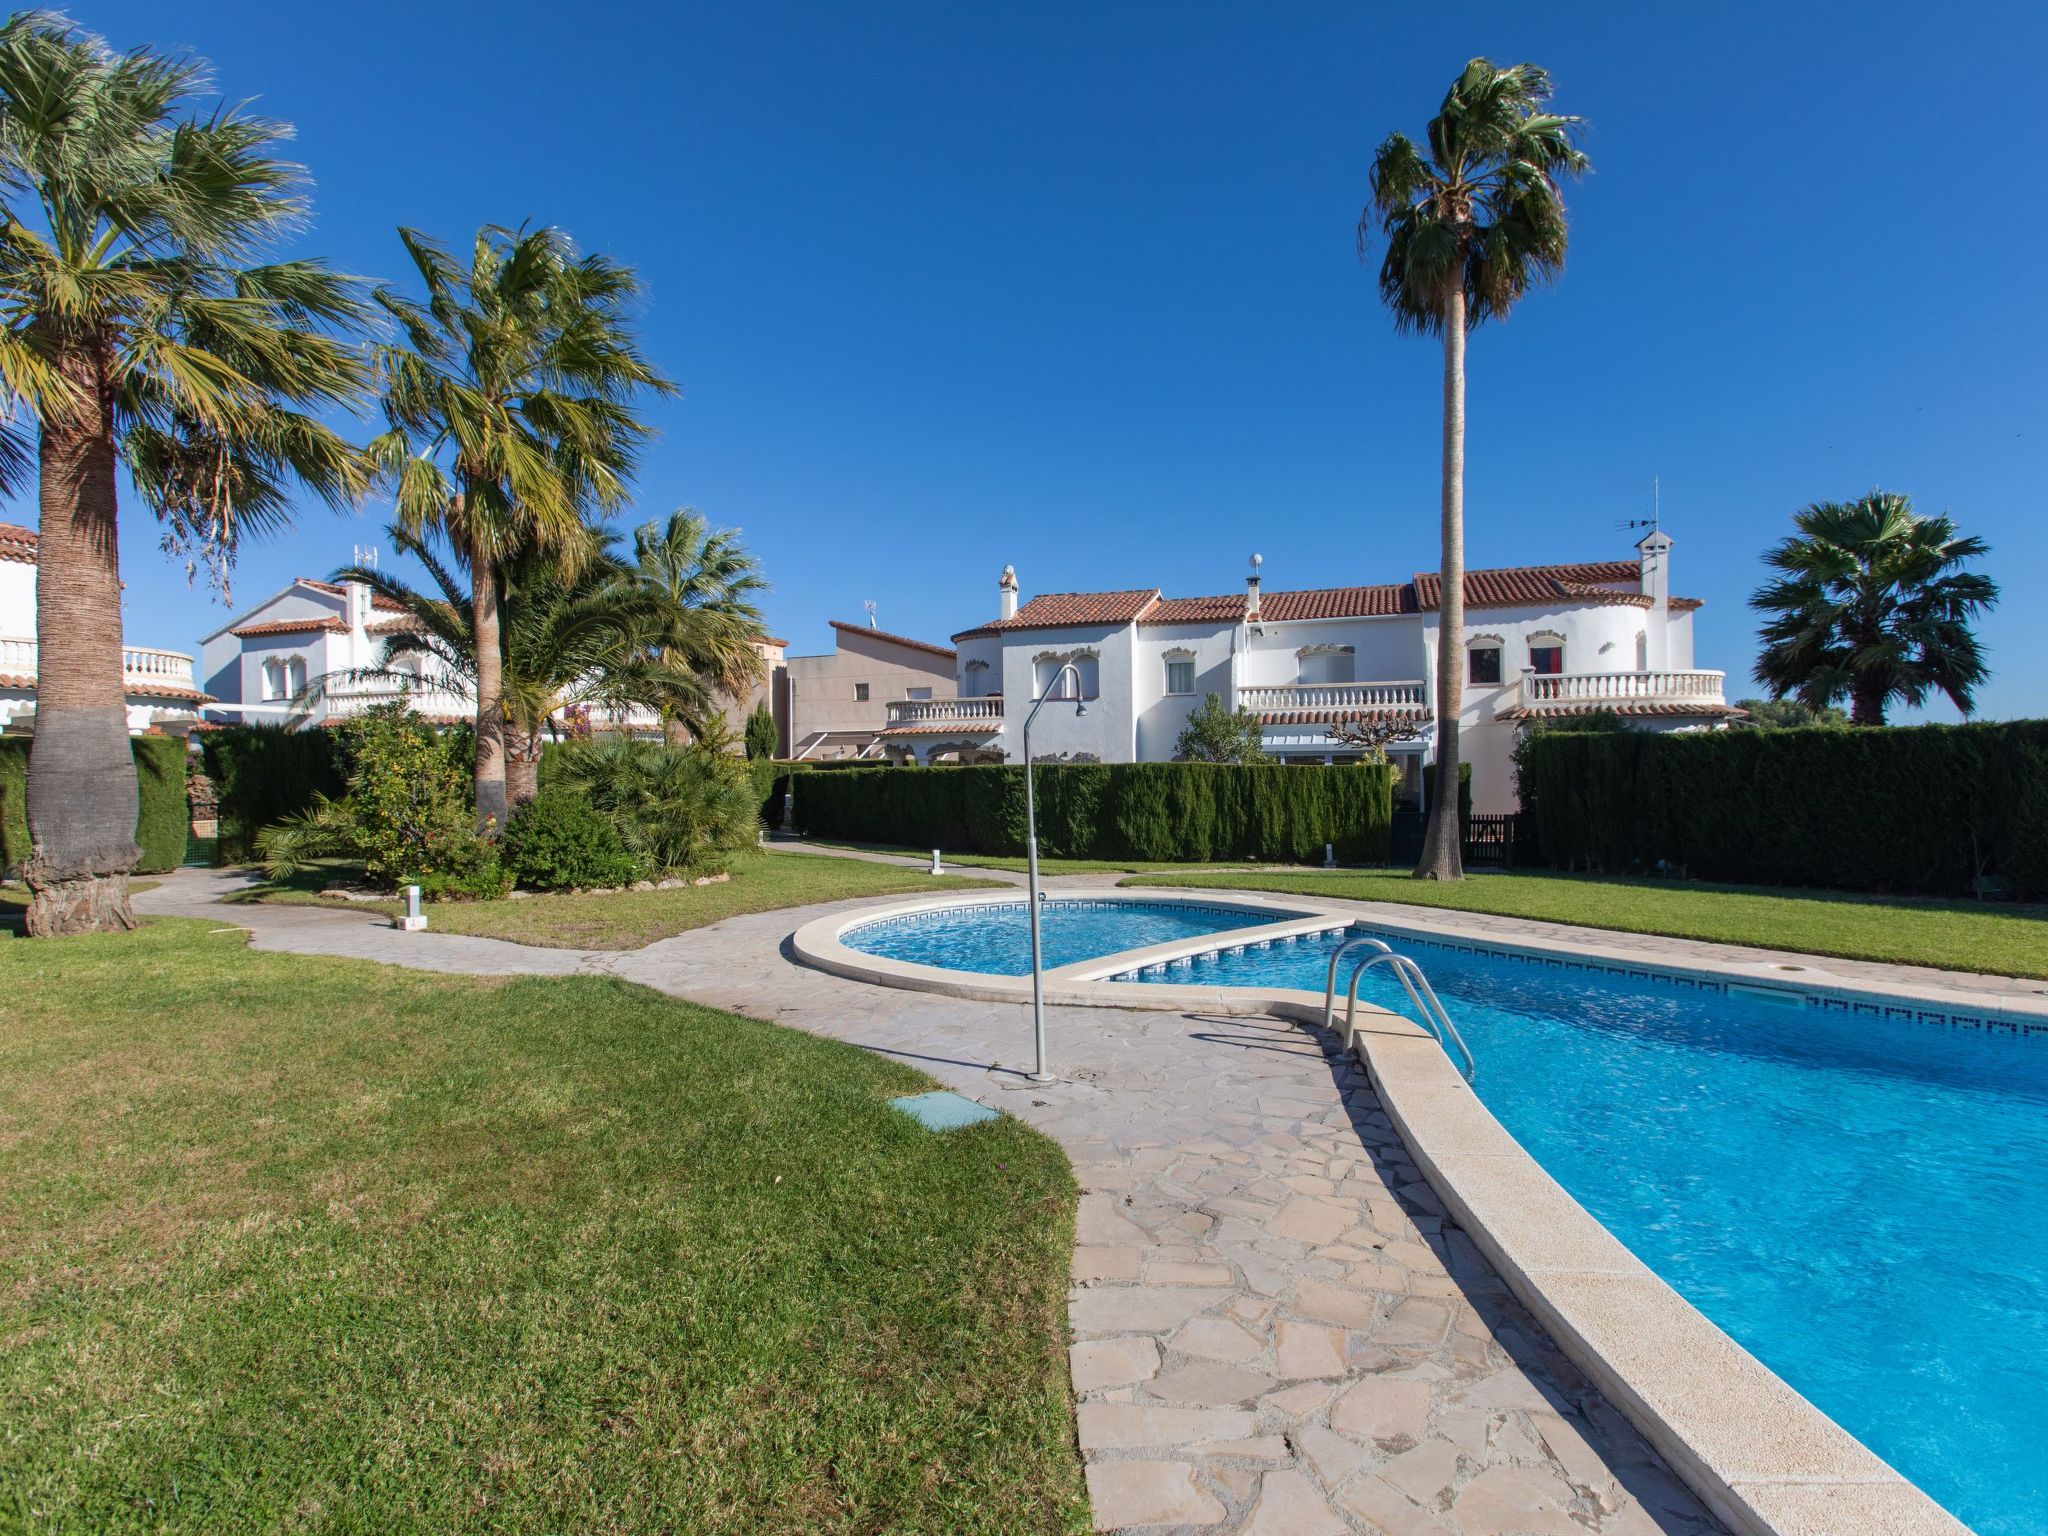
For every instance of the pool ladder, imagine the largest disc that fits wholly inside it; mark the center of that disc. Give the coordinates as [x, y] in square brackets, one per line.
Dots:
[1430, 1008]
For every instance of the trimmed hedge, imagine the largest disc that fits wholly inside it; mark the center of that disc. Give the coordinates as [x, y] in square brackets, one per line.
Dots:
[1169, 812]
[264, 773]
[1924, 809]
[162, 820]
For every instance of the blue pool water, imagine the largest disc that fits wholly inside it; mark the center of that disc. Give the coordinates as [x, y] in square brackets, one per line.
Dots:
[996, 939]
[1856, 1197]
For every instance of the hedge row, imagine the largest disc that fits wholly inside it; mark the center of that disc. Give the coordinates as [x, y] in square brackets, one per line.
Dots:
[160, 825]
[1155, 811]
[264, 773]
[1921, 809]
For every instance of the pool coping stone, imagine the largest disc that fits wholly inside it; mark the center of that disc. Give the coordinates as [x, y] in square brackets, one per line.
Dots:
[1762, 1458]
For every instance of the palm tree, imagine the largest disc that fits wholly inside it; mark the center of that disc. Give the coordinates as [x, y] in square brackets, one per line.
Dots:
[707, 582]
[141, 325]
[569, 636]
[1873, 606]
[511, 422]
[1469, 226]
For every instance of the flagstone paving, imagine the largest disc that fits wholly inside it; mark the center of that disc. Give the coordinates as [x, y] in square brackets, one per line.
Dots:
[1275, 1330]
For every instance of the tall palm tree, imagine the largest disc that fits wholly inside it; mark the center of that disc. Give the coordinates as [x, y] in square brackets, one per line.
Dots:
[510, 405]
[569, 636]
[708, 650]
[1873, 605]
[141, 324]
[1469, 225]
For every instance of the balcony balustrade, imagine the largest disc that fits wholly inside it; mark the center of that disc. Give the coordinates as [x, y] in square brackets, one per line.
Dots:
[969, 714]
[1571, 692]
[141, 665]
[1335, 698]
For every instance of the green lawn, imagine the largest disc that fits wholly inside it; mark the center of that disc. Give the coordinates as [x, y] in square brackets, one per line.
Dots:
[1954, 935]
[633, 919]
[299, 1244]
[1045, 866]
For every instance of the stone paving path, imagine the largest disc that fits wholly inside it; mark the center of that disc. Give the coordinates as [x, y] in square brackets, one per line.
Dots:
[1275, 1331]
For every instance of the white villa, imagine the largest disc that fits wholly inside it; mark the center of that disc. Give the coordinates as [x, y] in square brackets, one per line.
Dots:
[258, 664]
[161, 693]
[1541, 642]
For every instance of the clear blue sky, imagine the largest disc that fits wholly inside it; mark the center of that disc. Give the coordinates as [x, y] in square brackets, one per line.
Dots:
[1074, 286]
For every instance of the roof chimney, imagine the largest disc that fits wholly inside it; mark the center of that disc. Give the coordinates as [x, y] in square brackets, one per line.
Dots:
[1008, 588]
[1251, 592]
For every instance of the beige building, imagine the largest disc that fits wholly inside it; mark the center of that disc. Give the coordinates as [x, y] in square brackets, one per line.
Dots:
[836, 705]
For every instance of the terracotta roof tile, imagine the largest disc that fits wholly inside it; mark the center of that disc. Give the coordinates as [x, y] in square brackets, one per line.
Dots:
[1517, 585]
[289, 627]
[377, 600]
[1606, 582]
[1344, 716]
[401, 624]
[17, 543]
[1197, 610]
[1623, 707]
[883, 634]
[134, 690]
[1337, 603]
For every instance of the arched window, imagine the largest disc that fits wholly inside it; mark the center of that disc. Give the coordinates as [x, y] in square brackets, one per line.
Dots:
[1180, 670]
[295, 676]
[1046, 669]
[1325, 664]
[974, 680]
[1483, 653]
[1546, 653]
[273, 679]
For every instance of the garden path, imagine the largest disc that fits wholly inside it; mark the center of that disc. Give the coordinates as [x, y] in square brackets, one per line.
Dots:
[1274, 1330]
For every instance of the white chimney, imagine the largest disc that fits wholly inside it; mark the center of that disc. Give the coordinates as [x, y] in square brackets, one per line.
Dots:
[1251, 592]
[1008, 588]
[1655, 552]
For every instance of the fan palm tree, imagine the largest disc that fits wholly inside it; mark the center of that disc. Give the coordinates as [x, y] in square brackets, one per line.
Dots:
[570, 635]
[708, 650]
[510, 407]
[141, 324]
[1873, 605]
[1469, 225]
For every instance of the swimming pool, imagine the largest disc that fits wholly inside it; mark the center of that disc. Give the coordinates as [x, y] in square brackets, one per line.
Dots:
[995, 937]
[1851, 1191]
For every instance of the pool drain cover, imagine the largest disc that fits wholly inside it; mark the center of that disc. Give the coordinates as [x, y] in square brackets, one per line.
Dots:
[943, 1111]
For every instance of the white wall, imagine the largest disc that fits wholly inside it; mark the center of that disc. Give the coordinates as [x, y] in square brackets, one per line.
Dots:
[1159, 717]
[1108, 731]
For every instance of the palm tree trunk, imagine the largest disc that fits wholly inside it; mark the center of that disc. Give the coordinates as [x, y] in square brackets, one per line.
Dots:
[491, 803]
[81, 768]
[522, 766]
[1866, 701]
[1443, 843]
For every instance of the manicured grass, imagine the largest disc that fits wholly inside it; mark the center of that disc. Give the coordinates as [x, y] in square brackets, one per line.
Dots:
[1045, 866]
[293, 1244]
[1959, 936]
[632, 919]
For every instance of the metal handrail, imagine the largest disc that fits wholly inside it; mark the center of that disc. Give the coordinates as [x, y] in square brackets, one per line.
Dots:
[1434, 1018]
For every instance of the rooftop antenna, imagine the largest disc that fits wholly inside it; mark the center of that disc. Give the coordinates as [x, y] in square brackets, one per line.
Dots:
[1654, 521]
[870, 606]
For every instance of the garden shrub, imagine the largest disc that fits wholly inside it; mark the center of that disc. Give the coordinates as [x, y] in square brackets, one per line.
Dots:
[1164, 812]
[674, 807]
[161, 821]
[558, 841]
[406, 813]
[1917, 809]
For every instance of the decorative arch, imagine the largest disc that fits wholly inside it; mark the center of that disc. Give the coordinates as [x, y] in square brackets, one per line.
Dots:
[1087, 663]
[1546, 652]
[1326, 664]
